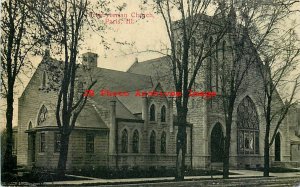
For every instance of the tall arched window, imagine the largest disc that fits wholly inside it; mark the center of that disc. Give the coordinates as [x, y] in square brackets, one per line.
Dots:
[30, 125]
[135, 142]
[163, 143]
[124, 142]
[163, 113]
[42, 115]
[152, 112]
[152, 142]
[247, 127]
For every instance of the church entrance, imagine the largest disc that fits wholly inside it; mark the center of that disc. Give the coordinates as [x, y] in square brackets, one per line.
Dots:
[31, 148]
[217, 144]
[277, 147]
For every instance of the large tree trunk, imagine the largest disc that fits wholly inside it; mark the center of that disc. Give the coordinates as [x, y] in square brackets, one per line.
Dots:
[181, 146]
[62, 162]
[9, 164]
[267, 152]
[227, 144]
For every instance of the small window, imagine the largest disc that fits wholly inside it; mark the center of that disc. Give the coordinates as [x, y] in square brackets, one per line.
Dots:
[152, 112]
[152, 142]
[163, 114]
[56, 142]
[135, 142]
[42, 143]
[42, 115]
[124, 141]
[163, 148]
[90, 143]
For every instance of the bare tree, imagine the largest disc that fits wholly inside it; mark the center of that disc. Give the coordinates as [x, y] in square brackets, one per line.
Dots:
[280, 58]
[18, 39]
[64, 22]
[189, 28]
[251, 23]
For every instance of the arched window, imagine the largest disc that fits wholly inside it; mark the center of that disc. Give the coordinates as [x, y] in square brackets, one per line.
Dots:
[42, 115]
[163, 143]
[135, 142]
[179, 49]
[30, 125]
[44, 79]
[152, 142]
[124, 142]
[247, 127]
[152, 112]
[163, 113]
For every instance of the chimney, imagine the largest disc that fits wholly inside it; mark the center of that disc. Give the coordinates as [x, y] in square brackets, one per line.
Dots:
[145, 109]
[90, 60]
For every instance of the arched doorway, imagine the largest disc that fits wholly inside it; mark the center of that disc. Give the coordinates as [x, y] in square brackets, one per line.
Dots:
[217, 143]
[277, 147]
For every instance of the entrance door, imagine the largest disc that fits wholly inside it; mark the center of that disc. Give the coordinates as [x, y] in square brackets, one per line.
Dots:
[31, 148]
[217, 144]
[277, 147]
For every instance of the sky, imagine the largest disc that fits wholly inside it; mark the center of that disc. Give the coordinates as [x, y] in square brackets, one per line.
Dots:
[141, 34]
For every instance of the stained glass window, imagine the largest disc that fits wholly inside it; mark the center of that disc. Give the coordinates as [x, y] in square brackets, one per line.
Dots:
[247, 127]
[42, 115]
[135, 142]
[124, 141]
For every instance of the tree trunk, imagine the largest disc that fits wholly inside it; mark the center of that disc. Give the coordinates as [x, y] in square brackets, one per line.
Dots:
[267, 152]
[181, 146]
[227, 145]
[9, 164]
[62, 162]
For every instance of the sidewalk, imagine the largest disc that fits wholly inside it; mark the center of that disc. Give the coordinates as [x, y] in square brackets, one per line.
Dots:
[241, 174]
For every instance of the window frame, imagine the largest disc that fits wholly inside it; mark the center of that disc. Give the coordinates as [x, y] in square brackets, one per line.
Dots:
[42, 142]
[90, 143]
[124, 141]
[135, 141]
[57, 142]
[152, 142]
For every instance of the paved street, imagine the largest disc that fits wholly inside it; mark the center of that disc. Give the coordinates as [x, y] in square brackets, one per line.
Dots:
[243, 178]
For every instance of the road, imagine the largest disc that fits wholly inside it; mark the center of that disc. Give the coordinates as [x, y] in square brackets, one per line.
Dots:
[257, 182]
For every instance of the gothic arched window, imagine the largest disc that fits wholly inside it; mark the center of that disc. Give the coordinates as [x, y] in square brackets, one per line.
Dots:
[163, 113]
[42, 115]
[135, 142]
[124, 142]
[152, 112]
[152, 142]
[163, 143]
[247, 127]
[30, 125]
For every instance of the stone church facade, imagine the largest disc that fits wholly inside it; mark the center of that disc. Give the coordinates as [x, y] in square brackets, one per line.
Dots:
[131, 131]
